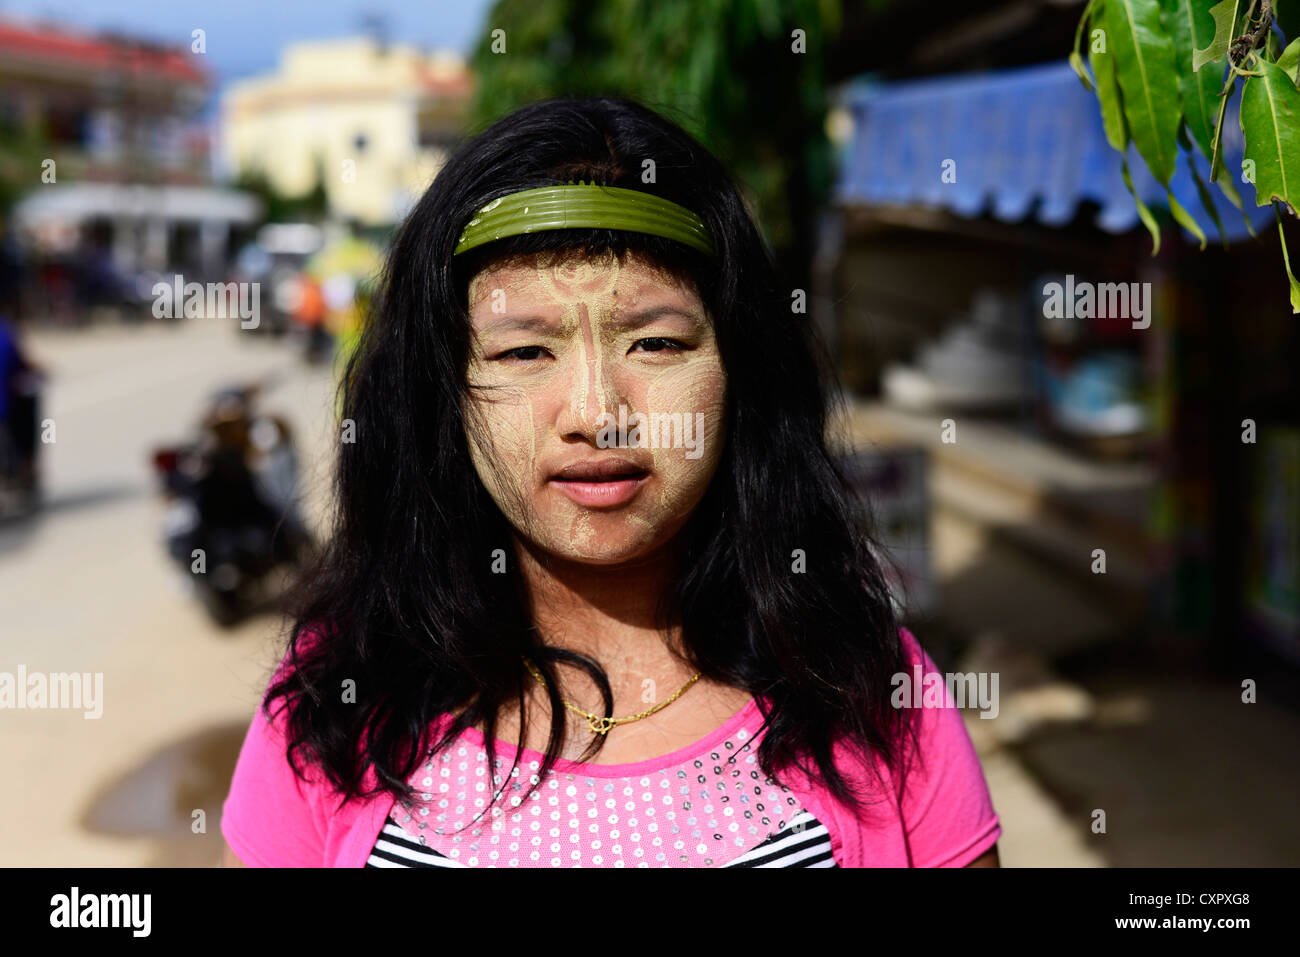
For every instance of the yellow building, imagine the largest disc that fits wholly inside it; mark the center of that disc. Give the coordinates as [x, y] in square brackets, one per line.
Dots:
[377, 121]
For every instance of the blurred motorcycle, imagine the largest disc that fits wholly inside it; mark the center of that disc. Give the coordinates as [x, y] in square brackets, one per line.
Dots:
[233, 519]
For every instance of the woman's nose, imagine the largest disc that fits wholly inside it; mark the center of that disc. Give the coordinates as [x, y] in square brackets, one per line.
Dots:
[593, 393]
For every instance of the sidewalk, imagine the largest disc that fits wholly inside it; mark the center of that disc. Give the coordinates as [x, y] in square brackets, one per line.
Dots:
[1185, 773]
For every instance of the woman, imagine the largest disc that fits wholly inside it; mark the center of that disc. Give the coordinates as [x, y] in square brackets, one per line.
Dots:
[590, 545]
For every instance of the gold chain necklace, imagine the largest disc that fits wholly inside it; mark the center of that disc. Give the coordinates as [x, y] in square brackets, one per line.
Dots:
[599, 723]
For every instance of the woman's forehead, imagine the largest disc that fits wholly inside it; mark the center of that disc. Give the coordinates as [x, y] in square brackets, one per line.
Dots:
[571, 276]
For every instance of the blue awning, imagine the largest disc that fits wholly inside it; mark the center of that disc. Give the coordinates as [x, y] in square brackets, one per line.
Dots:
[1025, 142]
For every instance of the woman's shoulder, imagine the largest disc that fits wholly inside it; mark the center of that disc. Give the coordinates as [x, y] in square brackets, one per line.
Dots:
[271, 816]
[912, 649]
[933, 796]
[277, 811]
[944, 803]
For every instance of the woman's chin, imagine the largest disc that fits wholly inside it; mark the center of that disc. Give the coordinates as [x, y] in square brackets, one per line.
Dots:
[603, 552]
[607, 539]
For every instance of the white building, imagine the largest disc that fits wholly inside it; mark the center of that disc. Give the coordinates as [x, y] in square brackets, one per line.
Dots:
[375, 122]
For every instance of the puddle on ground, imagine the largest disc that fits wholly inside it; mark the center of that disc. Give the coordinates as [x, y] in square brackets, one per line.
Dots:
[158, 797]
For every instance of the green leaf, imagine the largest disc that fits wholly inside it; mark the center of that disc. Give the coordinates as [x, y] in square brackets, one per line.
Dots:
[1230, 190]
[1184, 218]
[1216, 158]
[1272, 47]
[1145, 67]
[1112, 119]
[1286, 261]
[1226, 182]
[1108, 96]
[1202, 190]
[1289, 61]
[1270, 122]
[1225, 17]
[1192, 28]
[1144, 214]
[1076, 61]
[1076, 64]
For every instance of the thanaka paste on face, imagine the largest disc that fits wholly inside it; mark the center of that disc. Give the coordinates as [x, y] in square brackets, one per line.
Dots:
[519, 420]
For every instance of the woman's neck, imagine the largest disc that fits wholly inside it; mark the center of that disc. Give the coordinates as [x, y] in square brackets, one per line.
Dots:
[606, 612]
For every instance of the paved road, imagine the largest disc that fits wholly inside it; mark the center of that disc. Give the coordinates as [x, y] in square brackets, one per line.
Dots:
[85, 587]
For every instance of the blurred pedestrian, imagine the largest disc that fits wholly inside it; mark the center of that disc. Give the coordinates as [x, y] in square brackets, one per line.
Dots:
[20, 380]
[310, 315]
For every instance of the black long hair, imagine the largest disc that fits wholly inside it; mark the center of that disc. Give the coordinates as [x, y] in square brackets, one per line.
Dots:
[403, 601]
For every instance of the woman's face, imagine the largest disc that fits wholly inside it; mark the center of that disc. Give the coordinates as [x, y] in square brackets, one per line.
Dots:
[597, 391]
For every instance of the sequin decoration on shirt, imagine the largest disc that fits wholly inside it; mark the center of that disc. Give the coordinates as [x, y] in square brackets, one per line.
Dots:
[715, 808]
[804, 843]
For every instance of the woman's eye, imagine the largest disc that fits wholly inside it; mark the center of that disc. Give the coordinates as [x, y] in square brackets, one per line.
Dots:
[524, 353]
[659, 344]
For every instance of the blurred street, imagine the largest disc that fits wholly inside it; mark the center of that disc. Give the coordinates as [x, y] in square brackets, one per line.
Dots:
[87, 587]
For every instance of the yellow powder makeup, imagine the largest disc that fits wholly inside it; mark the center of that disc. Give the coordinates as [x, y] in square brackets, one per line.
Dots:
[567, 352]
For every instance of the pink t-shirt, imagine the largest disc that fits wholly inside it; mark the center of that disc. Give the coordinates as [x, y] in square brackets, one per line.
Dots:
[684, 809]
[706, 805]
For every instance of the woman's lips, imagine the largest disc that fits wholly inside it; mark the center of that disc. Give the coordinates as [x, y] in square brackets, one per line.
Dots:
[597, 493]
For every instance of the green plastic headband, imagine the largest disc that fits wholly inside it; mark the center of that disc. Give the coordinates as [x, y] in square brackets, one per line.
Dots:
[584, 206]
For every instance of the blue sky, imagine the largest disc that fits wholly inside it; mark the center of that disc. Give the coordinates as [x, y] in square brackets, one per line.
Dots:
[244, 37]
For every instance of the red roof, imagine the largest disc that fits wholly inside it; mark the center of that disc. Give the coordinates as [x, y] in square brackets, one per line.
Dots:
[59, 47]
[451, 83]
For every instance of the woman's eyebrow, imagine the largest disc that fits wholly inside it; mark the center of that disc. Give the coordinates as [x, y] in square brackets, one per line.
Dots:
[524, 323]
[621, 321]
[643, 317]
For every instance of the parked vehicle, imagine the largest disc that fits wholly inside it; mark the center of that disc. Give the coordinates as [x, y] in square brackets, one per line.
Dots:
[233, 519]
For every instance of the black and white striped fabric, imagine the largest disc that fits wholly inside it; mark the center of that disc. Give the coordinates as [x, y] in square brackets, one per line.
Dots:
[805, 842]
